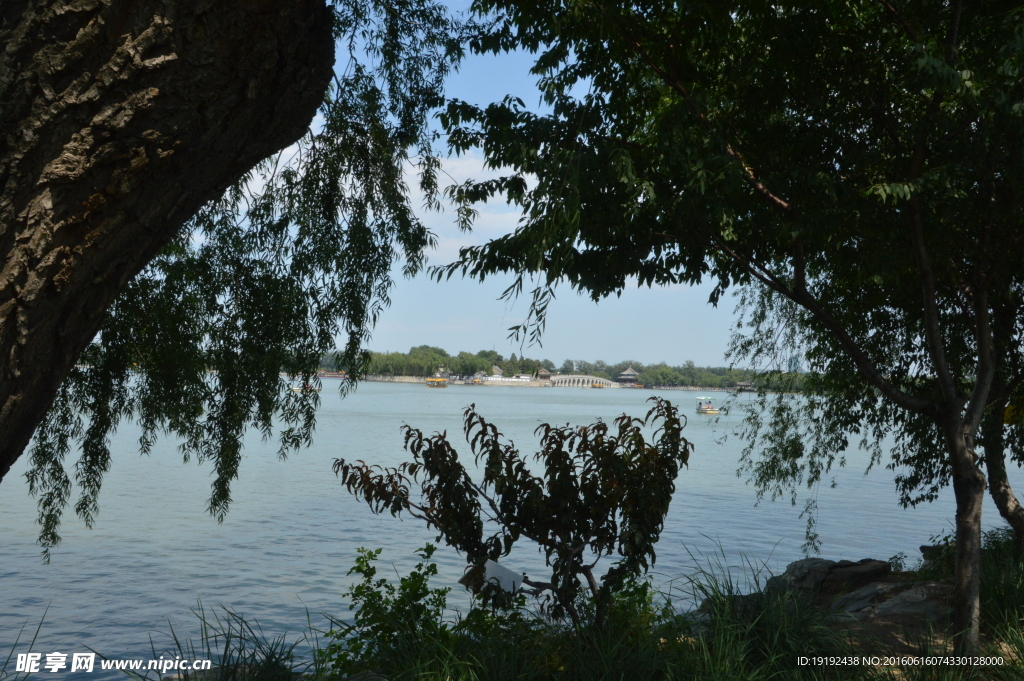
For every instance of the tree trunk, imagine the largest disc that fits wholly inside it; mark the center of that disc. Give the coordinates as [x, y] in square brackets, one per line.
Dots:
[999, 486]
[969, 489]
[993, 441]
[119, 119]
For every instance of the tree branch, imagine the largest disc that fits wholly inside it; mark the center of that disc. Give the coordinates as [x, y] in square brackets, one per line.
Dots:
[899, 20]
[801, 296]
[986, 361]
[539, 586]
[864, 365]
[954, 29]
[931, 311]
[751, 179]
[589, 574]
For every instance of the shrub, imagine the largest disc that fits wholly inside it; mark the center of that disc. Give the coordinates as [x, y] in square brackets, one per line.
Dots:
[603, 491]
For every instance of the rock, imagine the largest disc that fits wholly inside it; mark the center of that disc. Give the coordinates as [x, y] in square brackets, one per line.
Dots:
[869, 599]
[812, 575]
[864, 597]
[803, 575]
[854, 575]
[924, 601]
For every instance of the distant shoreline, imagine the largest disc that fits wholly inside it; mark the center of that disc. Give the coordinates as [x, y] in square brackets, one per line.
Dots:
[382, 378]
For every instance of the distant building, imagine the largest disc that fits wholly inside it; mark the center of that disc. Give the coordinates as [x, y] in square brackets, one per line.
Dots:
[496, 370]
[544, 375]
[628, 377]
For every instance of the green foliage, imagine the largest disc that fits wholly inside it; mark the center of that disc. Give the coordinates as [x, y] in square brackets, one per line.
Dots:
[263, 280]
[898, 563]
[602, 492]
[691, 375]
[425, 361]
[419, 361]
[387, 616]
[730, 140]
[1002, 584]
[643, 638]
[239, 650]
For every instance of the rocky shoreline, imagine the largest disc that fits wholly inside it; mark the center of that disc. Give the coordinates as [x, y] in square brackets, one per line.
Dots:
[866, 589]
[866, 598]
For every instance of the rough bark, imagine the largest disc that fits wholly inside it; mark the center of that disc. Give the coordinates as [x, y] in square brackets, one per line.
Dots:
[993, 441]
[119, 119]
[969, 490]
[1001, 490]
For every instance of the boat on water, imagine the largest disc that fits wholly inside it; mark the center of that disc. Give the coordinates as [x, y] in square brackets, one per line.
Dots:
[307, 388]
[437, 382]
[707, 405]
[597, 385]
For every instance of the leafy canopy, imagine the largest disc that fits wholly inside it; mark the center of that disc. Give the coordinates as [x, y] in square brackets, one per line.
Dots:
[857, 163]
[259, 284]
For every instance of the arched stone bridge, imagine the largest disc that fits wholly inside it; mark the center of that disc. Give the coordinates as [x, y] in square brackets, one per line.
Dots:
[575, 381]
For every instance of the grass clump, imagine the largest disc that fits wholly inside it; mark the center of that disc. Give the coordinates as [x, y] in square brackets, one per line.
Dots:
[239, 649]
[1002, 580]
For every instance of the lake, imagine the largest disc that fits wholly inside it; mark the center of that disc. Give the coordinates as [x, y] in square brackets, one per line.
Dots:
[291, 535]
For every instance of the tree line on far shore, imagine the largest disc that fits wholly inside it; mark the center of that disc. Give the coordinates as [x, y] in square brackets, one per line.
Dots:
[426, 360]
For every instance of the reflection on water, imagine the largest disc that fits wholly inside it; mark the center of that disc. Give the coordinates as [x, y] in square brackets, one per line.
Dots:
[291, 535]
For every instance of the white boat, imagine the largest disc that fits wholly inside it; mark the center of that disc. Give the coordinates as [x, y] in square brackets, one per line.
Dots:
[707, 405]
[307, 388]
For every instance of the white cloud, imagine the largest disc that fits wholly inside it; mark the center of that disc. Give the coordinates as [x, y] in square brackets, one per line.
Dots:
[494, 218]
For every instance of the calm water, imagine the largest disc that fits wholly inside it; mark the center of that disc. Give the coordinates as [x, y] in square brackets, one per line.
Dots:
[291, 535]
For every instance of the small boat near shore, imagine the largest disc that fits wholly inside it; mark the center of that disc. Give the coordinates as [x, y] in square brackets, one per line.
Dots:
[437, 382]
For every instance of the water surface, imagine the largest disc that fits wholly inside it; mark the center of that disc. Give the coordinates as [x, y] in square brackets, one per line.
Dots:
[290, 537]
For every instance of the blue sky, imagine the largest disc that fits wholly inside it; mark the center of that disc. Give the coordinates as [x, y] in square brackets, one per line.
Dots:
[673, 324]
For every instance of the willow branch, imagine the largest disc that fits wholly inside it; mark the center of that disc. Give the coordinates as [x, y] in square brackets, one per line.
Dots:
[802, 297]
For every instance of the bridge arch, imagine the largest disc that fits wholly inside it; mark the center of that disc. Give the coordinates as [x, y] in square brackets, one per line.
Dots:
[581, 381]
